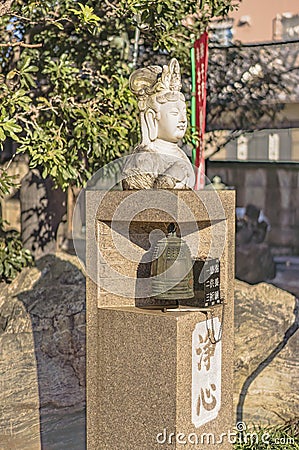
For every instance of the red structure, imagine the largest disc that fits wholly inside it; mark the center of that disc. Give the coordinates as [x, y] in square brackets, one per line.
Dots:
[201, 66]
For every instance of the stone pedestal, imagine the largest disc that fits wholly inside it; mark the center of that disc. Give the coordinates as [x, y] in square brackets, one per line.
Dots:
[157, 378]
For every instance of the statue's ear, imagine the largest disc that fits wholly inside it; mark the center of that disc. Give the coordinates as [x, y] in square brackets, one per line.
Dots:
[152, 125]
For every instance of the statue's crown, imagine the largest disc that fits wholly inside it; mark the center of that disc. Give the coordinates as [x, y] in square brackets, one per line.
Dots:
[155, 79]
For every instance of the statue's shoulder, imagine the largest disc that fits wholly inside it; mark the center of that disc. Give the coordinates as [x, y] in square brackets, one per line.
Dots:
[139, 169]
[142, 148]
[143, 158]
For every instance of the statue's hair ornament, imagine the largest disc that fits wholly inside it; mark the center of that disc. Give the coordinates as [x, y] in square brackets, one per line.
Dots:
[155, 79]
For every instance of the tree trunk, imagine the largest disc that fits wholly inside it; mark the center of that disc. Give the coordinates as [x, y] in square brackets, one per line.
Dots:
[42, 210]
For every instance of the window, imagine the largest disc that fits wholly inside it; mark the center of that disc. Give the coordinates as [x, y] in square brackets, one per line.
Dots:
[221, 32]
[242, 148]
[273, 147]
[286, 27]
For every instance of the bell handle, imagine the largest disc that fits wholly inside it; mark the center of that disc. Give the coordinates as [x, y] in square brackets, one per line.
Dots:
[171, 229]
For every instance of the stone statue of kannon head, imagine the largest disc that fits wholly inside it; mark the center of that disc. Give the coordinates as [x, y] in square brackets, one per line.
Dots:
[161, 104]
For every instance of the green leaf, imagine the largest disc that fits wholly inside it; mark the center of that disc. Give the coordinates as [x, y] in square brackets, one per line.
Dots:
[14, 136]
[11, 74]
[29, 79]
[30, 69]
[11, 126]
[45, 172]
[59, 25]
[26, 63]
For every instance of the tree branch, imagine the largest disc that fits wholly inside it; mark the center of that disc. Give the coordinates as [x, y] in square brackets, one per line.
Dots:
[20, 44]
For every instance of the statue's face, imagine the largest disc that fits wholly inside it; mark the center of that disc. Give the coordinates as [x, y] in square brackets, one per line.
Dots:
[172, 121]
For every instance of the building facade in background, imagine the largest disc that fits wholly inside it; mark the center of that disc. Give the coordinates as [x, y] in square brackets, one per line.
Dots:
[265, 20]
[263, 165]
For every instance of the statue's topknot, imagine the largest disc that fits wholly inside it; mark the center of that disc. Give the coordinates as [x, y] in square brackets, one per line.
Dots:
[152, 80]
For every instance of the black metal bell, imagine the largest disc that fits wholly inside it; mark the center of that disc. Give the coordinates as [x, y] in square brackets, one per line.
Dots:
[171, 268]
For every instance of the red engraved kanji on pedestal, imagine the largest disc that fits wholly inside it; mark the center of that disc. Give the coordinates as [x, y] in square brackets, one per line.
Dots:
[206, 373]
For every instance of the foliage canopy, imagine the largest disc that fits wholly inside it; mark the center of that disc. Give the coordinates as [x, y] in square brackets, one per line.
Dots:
[13, 257]
[64, 69]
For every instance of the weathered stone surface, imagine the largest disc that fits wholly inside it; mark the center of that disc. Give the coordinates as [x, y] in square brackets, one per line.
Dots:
[42, 341]
[254, 263]
[266, 352]
[42, 356]
[20, 424]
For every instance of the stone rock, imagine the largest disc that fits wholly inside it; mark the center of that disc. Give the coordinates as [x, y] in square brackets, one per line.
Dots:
[42, 342]
[266, 375]
[254, 263]
[42, 356]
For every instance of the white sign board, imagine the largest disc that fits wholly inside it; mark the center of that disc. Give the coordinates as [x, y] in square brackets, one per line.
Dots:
[206, 372]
